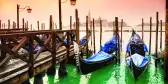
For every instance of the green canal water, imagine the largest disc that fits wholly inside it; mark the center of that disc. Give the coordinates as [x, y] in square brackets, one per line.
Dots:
[112, 74]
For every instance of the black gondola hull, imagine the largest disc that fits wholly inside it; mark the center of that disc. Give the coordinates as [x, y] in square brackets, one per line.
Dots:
[87, 67]
[137, 71]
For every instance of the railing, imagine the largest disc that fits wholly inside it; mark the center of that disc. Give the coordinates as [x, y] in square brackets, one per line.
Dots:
[13, 41]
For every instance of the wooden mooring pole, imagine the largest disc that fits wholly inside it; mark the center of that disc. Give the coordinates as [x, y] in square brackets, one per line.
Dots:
[27, 26]
[70, 22]
[13, 25]
[121, 32]
[77, 26]
[100, 32]
[166, 43]
[117, 39]
[161, 35]
[142, 29]
[55, 25]
[94, 37]
[91, 43]
[38, 25]
[53, 43]
[150, 37]
[44, 26]
[23, 23]
[31, 57]
[31, 27]
[74, 25]
[156, 49]
[87, 35]
[52, 70]
[4, 25]
[0, 24]
[8, 24]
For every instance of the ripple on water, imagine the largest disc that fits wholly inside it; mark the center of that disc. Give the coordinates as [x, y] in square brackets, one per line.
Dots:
[112, 74]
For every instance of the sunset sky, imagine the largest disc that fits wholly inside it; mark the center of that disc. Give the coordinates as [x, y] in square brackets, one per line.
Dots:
[130, 10]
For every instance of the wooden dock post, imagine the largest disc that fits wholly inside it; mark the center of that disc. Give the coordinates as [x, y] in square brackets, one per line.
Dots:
[38, 25]
[13, 25]
[31, 57]
[41, 26]
[156, 49]
[91, 34]
[3, 52]
[117, 39]
[8, 24]
[27, 25]
[0, 24]
[68, 44]
[74, 25]
[161, 35]
[4, 25]
[70, 22]
[166, 42]
[94, 37]
[87, 36]
[44, 26]
[31, 27]
[52, 70]
[53, 44]
[77, 26]
[23, 24]
[142, 29]
[55, 25]
[150, 37]
[121, 32]
[100, 32]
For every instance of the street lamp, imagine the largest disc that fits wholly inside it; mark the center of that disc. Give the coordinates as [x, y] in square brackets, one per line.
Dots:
[18, 7]
[73, 2]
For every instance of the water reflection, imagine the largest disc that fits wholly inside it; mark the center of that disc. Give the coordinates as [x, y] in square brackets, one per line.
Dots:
[111, 74]
[152, 75]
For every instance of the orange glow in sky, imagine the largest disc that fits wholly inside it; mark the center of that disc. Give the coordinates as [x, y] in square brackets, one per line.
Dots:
[130, 10]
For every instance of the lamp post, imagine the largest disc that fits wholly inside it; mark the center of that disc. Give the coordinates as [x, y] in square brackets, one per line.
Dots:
[73, 2]
[18, 7]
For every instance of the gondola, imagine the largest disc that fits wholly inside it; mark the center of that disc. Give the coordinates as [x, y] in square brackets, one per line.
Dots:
[136, 60]
[103, 58]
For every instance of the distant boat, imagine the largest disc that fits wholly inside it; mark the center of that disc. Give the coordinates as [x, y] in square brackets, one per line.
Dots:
[104, 57]
[137, 61]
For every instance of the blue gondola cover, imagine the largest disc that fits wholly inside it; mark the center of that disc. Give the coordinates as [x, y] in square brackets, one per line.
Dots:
[110, 46]
[138, 60]
[98, 57]
[106, 51]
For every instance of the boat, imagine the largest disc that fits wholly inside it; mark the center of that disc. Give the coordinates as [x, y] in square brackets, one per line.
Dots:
[101, 59]
[137, 61]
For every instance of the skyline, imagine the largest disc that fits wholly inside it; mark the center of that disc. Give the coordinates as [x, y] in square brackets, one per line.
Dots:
[131, 11]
